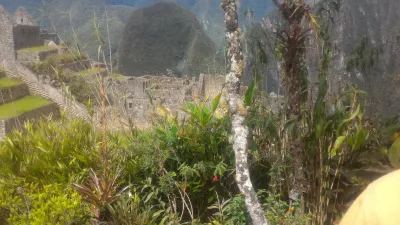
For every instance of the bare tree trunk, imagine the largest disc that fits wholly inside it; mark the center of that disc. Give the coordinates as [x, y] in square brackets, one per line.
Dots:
[238, 113]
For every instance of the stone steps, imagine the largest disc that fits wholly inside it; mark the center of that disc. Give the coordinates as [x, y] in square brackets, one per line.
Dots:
[15, 108]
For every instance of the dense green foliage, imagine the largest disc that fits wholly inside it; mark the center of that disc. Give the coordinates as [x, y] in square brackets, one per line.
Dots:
[175, 172]
[182, 171]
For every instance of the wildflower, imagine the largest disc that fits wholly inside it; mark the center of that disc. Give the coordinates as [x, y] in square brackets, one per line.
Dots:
[96, 211]
[215, 178]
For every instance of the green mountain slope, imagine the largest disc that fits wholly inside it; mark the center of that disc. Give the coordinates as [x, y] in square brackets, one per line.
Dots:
[163, 36]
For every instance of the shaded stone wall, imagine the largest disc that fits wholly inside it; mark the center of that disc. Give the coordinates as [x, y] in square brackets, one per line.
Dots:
[13, 93]
[45, 35]
[26, 36]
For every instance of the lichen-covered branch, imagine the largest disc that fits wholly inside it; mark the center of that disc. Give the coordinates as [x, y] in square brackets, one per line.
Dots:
[238, 113]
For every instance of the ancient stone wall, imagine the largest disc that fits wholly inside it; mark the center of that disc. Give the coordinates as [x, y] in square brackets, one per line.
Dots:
[213, 85]
[26, 36]
[6, 35]
[13, 93]
[135, 86]
[6, 42]
[31, 56]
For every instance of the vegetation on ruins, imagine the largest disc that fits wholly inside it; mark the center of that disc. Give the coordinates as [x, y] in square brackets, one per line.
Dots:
[51, 68]
[52, 62]
[236, 164]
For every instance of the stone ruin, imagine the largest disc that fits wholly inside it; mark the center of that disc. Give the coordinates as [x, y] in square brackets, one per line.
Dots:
[137, 97]
[20, 31]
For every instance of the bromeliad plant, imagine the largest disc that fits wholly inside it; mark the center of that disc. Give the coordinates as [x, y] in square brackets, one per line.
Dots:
[101, 192]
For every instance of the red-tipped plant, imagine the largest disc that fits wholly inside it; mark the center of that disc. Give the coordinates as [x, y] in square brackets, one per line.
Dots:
[100, 192]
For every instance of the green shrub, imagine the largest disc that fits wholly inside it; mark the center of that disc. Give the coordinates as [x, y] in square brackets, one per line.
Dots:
[131, 210]
[199, 157]
[51, 152]
[36, 205]
[138, 155]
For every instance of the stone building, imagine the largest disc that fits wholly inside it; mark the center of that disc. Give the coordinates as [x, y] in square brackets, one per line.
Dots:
[20, 31]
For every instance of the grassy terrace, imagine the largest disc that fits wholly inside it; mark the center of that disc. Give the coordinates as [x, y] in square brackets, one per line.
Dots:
[38, 49]
[19, 107]
[89, 71]
[118, 76]
[5, 83]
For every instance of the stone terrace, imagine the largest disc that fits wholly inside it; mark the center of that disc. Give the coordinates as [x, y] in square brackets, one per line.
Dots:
[17, 105]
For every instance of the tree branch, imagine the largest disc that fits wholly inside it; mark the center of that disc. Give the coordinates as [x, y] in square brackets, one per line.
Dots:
[238, 113]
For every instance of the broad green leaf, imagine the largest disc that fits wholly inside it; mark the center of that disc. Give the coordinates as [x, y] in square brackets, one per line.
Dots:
[215, 103]
[149, 197]
[337, 144]
[361, 136]
[210, 199]
[394, 154]
[158, 213]
[354, 115]
[248, 97]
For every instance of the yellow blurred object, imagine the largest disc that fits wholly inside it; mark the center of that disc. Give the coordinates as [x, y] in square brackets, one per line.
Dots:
[379, 204]
[395, 136]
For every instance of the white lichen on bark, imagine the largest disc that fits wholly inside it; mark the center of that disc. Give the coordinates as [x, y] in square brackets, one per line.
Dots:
[238, 113]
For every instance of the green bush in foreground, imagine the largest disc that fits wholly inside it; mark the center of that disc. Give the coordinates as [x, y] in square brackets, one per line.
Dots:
[51, 152]
[36, 205]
